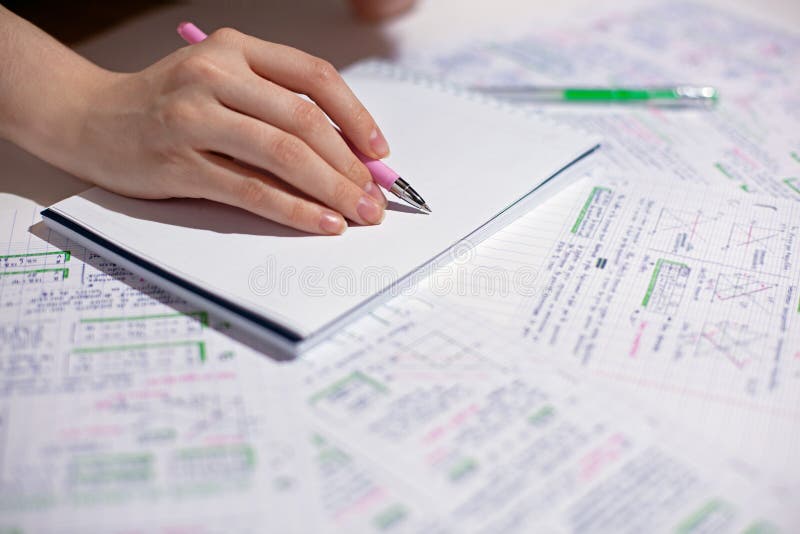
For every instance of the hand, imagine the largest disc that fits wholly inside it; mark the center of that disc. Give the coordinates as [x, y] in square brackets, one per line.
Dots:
[181, 127]
[206, 121]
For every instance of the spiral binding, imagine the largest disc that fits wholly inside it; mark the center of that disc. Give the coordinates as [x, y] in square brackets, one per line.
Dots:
[385, 69]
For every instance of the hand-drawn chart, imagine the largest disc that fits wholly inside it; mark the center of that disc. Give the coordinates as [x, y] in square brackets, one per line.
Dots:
[667, 285]
[683, 231]
[746, 290]
[735, 342]
[751, 234]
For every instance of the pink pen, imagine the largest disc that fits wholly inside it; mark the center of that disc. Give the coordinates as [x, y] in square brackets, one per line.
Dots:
[381, 173]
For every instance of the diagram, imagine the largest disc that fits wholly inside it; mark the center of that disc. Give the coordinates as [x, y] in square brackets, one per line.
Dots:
[746, 290]
[687, 229]
[666, 288]
[747, 235]
[736, 342]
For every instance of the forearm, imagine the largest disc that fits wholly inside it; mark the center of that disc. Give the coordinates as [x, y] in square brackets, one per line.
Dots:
[45, 89]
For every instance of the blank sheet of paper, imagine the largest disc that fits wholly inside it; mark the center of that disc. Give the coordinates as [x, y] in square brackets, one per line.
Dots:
[469, 158]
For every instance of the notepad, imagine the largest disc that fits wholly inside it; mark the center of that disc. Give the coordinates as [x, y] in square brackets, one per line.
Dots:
[477, 162]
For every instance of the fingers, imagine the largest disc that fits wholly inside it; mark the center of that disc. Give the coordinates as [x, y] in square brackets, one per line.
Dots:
[285, 110]
[286, 155]
[230, 183]
[266, 125]
[309, 75]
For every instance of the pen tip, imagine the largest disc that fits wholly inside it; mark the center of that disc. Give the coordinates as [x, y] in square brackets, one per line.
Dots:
[426, 208]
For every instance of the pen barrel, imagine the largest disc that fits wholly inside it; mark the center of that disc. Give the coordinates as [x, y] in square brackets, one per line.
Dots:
[681, 95]
[522, 93]
[616, 95]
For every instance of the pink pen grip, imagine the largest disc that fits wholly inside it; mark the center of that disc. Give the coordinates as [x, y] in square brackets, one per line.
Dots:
[381, 173]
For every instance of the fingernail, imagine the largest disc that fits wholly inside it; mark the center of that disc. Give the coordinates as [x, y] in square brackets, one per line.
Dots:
[378, 143]
[375, 192]
[332, 223]
[369, 210]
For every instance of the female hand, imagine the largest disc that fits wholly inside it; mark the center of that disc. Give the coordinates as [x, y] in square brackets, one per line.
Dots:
[203, 121]
[172, 129]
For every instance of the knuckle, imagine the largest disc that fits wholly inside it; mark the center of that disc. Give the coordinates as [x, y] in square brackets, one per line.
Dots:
[226, 36]
[287, 150]
[199, 68]
[358, 172]
[253, 193]
[296, 214]
[179, 114]
[323, 73]
[306, 115]
[176, 164]
[340, 192]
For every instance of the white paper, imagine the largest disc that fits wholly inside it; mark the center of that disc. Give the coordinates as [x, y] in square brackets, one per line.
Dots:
[716, 344]
[486, 437]
[152, 419]
[469, 159]
[123, 408]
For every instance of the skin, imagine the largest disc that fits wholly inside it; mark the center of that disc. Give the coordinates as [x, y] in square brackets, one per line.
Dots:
[206, 121]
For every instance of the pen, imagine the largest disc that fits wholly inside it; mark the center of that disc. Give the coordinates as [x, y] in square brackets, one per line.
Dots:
[381, 173]
[680, 95]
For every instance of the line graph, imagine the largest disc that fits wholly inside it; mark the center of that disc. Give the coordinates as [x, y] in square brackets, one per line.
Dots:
[750, 234]
[736, 342]
[687, 227]
[746, 290]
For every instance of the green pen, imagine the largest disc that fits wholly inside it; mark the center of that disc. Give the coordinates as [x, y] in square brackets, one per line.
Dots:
[678, 96]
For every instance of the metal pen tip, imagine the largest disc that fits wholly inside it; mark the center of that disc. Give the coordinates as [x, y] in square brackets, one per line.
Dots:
[402, 190]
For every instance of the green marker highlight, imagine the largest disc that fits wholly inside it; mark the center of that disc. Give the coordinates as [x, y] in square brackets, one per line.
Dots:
[596, 191]
[793, 183]
[677, 96]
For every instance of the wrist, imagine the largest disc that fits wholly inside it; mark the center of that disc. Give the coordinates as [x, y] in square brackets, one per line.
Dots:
[54, 129]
